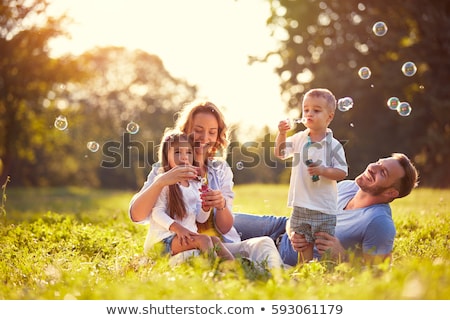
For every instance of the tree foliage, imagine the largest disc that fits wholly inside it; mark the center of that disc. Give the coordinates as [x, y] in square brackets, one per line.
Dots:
[325, 43]
[99, 93]
[27, 75]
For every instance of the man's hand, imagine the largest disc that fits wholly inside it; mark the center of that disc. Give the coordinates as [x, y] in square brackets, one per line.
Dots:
[298, 242]
[326, 243]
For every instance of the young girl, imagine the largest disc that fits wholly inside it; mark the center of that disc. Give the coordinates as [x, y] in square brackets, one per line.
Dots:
[178, 208]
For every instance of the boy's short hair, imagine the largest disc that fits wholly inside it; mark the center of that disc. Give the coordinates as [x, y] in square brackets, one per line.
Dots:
[323, 93]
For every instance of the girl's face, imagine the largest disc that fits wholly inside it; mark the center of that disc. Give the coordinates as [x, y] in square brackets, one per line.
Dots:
[206, 130]
[180, 154]
[316, 113]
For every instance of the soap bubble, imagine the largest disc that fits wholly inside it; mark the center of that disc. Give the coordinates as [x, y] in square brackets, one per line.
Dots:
[345, 104]
[93, 146]
[404, 109]
[61, 123]
[301, 120]
[132, 127]
[364, 73]
[379, 28]
[240, 165]
[393, 103]
[409, 69]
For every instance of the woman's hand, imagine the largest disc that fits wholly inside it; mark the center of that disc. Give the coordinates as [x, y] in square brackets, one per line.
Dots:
[212, 199]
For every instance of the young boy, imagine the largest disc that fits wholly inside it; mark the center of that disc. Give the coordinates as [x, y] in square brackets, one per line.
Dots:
[318, 163]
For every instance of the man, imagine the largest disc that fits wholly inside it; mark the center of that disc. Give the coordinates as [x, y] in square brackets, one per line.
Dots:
[364, 225]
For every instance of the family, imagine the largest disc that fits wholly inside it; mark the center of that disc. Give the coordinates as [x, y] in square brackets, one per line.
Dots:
[332, 217]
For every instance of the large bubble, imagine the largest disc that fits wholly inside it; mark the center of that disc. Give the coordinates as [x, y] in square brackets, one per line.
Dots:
[364, 73]
[345, 104]
[379, 28]
[409, 69]
[404, 109]
[393, 103]
[240, 165]
[93, 146]
[132, 127]
[61, 123]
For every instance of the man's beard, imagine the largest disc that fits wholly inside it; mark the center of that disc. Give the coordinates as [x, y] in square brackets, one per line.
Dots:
[372, 190]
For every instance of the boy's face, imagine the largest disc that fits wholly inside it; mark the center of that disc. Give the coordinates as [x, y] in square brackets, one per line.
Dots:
[316, 112]
[180, 154]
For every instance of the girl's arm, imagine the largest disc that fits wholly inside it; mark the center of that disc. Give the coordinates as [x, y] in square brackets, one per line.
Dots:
[142, 203]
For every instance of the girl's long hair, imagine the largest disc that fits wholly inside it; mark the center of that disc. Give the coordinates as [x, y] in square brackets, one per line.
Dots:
[176, 206]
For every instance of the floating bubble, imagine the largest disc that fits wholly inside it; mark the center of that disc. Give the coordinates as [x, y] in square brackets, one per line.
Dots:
[301, 120]
[132, 127]
[404, 109]
[393, 103]
[345, 104]
[409, 69]
[240, 165]
[379, 28]
[93, 146]
[61, 123]
[364, 73]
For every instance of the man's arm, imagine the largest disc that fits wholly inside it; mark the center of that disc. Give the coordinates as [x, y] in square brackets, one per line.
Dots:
[326, 243]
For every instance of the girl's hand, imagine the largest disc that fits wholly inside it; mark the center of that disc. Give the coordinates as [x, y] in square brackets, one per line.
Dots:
[184, 235]
[177, 174]
[212, 199]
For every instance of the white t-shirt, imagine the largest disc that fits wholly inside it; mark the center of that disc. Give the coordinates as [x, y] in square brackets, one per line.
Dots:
[160, 221]
[320, 195]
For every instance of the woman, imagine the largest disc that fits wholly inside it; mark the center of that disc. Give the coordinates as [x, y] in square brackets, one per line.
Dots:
[206, 123]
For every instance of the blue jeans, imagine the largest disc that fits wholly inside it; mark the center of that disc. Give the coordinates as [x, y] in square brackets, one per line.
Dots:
[252, 225]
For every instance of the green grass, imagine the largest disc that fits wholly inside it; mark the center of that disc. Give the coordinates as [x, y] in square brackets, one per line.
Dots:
[72, 243]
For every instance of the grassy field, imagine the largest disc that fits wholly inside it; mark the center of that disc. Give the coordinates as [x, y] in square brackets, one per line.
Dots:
[73, 243]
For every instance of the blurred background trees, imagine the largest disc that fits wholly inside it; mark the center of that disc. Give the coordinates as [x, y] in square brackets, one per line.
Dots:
[321, 44]
[325, 43]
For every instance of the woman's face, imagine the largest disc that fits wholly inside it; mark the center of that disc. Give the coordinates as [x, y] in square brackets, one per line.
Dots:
[205, 129]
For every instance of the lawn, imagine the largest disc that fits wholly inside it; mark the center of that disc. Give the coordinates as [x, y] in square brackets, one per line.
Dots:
[73, 243]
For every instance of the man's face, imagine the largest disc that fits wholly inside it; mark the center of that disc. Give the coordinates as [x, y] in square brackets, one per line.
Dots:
[380, 176]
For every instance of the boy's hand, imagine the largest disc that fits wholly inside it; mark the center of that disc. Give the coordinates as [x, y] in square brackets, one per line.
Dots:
[284, 126]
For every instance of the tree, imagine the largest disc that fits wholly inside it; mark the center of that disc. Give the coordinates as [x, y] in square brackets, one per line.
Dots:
[126, 87]
[325, 43]
[27, 75]
[99, 93]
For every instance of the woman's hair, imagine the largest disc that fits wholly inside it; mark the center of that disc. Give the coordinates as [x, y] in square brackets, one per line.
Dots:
[185, 123]
[172, 139]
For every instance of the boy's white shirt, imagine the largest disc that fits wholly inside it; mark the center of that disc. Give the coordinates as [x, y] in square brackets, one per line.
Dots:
[303, 192]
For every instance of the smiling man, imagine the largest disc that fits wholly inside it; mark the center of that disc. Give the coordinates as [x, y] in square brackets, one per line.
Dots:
[364, 225]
